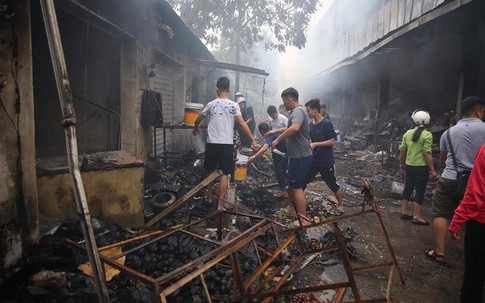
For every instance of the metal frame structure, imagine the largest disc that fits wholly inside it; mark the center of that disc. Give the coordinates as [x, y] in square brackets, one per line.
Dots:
[171, 127]
[181, 276]
[256, 285]
[393, 264]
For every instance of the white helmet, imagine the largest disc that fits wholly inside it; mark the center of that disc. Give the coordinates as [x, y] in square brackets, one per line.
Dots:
[238, 94]
[421, 117]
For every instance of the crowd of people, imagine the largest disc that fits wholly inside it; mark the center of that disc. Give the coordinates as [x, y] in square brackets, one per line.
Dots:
[301, 144]
[460, 191]
[302, 147]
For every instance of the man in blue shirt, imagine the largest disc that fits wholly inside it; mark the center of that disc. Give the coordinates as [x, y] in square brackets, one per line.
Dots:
[322, 140]
[279, 158]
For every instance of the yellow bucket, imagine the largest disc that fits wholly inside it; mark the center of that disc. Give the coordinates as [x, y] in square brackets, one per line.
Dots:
[241, 170]
[192, 110]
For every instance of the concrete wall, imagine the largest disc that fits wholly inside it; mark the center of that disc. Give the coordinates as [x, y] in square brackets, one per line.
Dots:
[113, 185]
[18, 188]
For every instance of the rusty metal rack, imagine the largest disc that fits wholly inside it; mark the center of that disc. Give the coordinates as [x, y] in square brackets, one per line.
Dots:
[168, 283]
[350, 281]
[171, 127]
[259, 283]
[256, 284]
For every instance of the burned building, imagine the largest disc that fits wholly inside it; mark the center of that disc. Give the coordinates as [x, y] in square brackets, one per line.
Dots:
[132, 66]
[390, 58]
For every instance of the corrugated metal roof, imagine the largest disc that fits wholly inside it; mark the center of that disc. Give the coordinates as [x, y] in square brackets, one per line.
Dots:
[388, 21]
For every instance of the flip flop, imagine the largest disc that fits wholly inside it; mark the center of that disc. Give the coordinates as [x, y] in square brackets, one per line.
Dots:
[280, 195]
[433, 255]
[406, 217]
[295, 224]
[418, 222]
[284, 213]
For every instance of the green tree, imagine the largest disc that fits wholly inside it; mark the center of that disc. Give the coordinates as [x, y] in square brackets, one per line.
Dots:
[279, 23]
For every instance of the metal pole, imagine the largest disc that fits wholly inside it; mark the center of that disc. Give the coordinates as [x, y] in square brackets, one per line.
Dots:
[69, 122]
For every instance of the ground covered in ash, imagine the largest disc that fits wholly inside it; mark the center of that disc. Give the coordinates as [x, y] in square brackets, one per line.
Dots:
[425, 280]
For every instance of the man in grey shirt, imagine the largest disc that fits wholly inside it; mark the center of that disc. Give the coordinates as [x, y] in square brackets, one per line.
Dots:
[299, 154]
[466, 138]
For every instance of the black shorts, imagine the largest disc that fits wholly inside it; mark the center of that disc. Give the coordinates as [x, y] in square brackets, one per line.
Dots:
[327, 173]
[297, 171]
[219, 156]
[416, 179]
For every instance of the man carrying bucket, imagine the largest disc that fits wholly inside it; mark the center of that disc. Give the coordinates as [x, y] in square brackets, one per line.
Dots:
[299, 154]
[221, 113]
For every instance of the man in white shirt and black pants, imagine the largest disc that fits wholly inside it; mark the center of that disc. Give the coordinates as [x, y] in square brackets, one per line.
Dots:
[221, 113]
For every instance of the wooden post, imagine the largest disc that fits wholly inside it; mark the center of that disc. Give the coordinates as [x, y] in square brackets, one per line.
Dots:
[69, 124]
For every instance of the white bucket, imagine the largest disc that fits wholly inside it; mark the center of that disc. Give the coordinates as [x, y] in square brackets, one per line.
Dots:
[192, 110]
[230, 201]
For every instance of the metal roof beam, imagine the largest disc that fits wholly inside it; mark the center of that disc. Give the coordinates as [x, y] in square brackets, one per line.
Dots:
[230, 66]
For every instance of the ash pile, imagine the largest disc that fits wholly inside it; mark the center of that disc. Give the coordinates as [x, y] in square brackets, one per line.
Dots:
[53, 270]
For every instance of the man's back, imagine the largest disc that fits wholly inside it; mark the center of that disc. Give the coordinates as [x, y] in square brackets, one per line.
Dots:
[220, 114]
[466, 137]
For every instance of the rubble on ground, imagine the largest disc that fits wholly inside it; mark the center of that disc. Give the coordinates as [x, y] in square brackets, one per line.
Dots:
[54, 258]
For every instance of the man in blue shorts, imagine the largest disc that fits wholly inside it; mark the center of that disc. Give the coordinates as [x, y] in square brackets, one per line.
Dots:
[299, 154]
[323, 138]
[279, 158]
[221, 114]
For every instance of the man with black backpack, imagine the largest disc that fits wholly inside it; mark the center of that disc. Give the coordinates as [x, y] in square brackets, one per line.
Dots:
[458, 148]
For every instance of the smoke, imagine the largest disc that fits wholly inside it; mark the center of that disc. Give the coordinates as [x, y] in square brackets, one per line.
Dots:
[325, 38]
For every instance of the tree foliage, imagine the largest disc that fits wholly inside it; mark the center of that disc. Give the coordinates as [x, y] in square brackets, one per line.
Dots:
[279, 23]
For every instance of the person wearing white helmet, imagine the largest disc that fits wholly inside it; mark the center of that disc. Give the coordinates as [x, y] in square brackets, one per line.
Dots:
[462, 143]
[417, 162]
[237, 96]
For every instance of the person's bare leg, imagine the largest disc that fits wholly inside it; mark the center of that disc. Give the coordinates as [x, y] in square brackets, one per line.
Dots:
[291, 201]
[300, 202]
[338, 195]
[404, 206]
[223, 185]
[440, 228]
[417, 212]
[210, 197]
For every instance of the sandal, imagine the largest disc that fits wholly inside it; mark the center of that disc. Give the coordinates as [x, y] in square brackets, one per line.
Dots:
[433, 255]
[280, 195]
[406, 217]
[284, 213]
[418, 222]
[296, 224]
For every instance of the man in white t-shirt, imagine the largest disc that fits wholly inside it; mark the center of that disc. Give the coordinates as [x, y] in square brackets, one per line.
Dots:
[276, 120]
[221, 113]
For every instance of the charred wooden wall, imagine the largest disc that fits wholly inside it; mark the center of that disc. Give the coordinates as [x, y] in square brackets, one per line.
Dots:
[19, 225]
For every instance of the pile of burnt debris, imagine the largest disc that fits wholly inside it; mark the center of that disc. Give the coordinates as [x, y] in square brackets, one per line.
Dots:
[196, 254]
[53, 270]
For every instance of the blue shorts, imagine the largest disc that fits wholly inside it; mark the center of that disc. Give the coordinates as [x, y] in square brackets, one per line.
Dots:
[298, 171]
